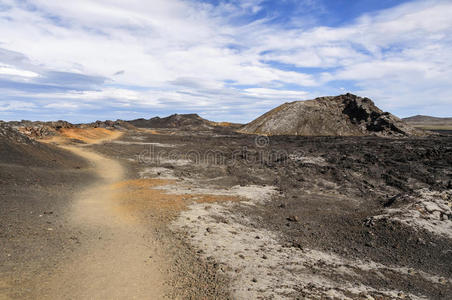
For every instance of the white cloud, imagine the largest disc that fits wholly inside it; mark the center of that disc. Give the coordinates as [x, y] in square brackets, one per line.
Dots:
[10, 70]
[185, 54]
[64, 105]
[278, 94]
[16, 105]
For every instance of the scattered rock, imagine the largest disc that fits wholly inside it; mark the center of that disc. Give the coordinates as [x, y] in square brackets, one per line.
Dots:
[293, 219]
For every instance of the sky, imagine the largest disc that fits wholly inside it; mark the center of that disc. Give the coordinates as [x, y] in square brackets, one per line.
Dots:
[227, 60]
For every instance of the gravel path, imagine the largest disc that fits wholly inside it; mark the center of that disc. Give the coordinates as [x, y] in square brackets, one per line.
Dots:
[119, 260]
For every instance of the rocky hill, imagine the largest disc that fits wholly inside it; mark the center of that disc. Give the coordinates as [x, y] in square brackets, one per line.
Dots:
[343, 115]
[179, 121]
[39, 129]
[12, 135]
[17, 148]
[118, 125]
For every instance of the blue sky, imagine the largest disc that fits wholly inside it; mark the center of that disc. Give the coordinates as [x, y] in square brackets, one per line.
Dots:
[227, 60]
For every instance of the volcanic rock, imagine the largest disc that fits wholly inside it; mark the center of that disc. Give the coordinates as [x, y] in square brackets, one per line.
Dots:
[9, 134]
[108, 124]
[39, 129]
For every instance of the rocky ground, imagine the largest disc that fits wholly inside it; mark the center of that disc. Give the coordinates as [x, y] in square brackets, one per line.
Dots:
[318, 217]
[51, 250]
[37, 183]
[256, 217]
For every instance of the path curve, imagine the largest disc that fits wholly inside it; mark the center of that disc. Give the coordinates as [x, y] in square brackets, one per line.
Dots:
[118, 259]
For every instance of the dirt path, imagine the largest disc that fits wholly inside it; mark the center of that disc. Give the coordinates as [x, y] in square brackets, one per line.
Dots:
[118, 258]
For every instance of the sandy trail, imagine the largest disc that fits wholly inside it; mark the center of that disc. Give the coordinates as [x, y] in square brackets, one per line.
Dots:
[118, 258]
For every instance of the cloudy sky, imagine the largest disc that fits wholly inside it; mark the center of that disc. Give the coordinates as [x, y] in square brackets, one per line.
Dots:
[224, 59]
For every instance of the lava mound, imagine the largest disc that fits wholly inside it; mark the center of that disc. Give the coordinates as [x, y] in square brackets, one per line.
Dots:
[343, 115]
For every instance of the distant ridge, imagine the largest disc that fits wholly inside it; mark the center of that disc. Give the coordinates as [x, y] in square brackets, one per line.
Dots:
[428, 119]
[343, 115]
[430, 123]
[181, 122]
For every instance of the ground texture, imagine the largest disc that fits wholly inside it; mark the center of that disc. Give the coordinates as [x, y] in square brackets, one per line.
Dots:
[217, 214]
